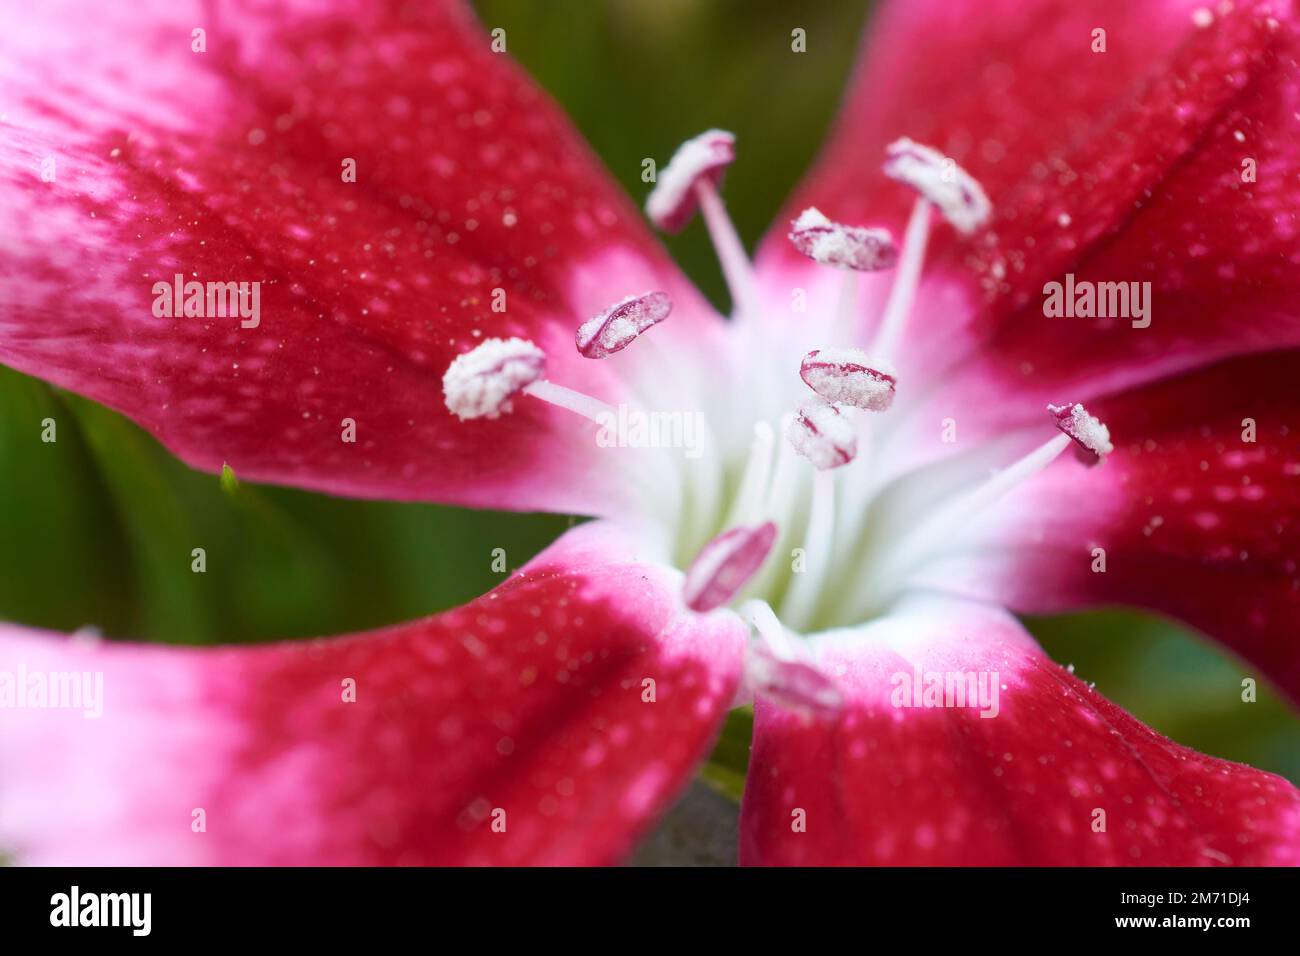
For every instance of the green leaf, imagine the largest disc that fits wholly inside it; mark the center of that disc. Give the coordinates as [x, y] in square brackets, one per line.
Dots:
[726, 767]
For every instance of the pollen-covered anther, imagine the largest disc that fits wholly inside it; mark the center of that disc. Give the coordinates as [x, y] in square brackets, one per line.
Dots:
[792, 684]
[940, 180]
[823, 435]
[480, 383]
[725, 565]
[847, 376]
[781, 671]
[844, 247]
[619, 326]
[673, 201]
[1091, 437]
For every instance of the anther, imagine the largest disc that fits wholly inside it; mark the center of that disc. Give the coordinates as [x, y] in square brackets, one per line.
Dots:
[777, 671]
[844, 247]
[619, 326]
[848, 377]
[792, 685]
[1091, 437]
[482, 382]
[725, 565]
[673, 201]
[823, 435]
[690, 181]
[958, 196]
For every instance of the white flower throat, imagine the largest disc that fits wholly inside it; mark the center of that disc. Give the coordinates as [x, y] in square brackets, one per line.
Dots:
[783, 515]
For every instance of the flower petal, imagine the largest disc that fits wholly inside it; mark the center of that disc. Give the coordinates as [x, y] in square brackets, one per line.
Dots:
[530, 700]
[895, 785]
[1191, 518]
[476, 212]
[1122, 166]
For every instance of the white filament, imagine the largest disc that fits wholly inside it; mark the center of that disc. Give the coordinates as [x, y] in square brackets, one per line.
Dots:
[906, 280]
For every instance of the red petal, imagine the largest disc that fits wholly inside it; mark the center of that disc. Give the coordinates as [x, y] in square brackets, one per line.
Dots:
[228, 165]
[1116, 166]
[945, 786]
[1194, 521]
[528, 700]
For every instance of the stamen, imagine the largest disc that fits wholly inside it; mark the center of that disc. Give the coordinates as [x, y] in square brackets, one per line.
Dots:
[844, 323]
[481, 382]
[776, 669]
[673, 201]
[725, 565]
[799, 601]
[844, 247]
[1089, 434]
[736, 267]
[787, 474]
[940, 180]
[906, 280]
[823, 436]
[758, 470]
[572, 400]
[619, 326]
[690, 181]
[847, 376]
[1096, 442]
[943, 526]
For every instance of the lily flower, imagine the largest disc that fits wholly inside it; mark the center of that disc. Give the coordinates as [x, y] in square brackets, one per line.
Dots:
[880, 483]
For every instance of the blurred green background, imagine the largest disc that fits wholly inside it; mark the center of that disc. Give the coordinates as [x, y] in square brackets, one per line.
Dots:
[97, 528]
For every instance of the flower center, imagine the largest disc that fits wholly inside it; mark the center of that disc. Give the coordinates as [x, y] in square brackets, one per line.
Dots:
[791, 519]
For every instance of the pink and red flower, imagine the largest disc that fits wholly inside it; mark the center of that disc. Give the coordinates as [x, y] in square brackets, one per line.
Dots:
[574, 701]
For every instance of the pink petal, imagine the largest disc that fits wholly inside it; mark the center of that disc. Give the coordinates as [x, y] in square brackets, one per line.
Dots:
[1193, 521]
[229, 165]
[887, 785]
[529, 700]
[1118, 166]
